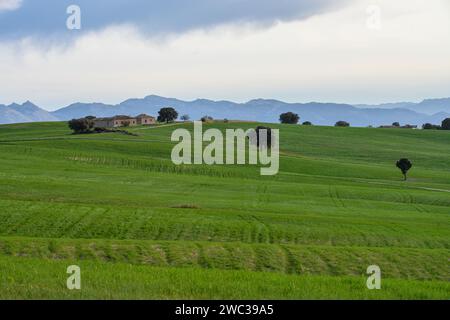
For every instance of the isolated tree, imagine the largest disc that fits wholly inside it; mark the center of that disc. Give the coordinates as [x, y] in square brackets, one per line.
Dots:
[446, 124]
[185, 117]
[167, 115]
[289, 118]
[307, 123]
[342, 124]
[268, 142]
[396, 124]
[404, 165]
[81, 125]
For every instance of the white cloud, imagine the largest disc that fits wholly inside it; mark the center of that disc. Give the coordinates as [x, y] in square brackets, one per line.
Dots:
[10, 4]
[332, 57]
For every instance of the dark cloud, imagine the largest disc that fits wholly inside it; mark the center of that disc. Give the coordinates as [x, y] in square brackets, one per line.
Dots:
[47, 17]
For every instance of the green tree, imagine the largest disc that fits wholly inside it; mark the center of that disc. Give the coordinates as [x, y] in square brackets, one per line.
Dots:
[206, 119]
[342, 124]
[429, 126]
[262, 143]
[167, 115]
[404, 165]
[83, 125]
[289, 118]
[446, 124]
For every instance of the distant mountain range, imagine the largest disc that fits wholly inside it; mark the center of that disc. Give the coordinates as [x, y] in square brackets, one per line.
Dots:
[263, 110]
[26, 112]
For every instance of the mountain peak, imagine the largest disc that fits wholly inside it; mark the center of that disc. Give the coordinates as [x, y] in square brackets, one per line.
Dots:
[28, 103]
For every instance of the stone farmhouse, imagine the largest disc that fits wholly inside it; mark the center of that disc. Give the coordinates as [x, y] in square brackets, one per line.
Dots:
[124, 121]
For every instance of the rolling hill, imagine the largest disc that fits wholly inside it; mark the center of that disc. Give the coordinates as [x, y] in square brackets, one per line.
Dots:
[141, 227]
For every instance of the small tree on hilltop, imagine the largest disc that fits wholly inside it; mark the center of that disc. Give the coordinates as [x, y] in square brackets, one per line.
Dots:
[206, 119]
[307, 123]
[185, 117]
[289, 118]
[404, 165]
[446, 124]
[342, 124]
[167, 115]
[396, 124]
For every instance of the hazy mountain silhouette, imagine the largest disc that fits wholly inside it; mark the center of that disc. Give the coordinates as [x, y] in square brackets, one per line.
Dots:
[264, 110]
[26, 112]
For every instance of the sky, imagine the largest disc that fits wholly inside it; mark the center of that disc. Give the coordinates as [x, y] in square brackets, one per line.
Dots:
[348, 51]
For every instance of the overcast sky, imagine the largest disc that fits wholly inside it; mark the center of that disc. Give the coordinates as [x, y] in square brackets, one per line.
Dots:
[351, 51]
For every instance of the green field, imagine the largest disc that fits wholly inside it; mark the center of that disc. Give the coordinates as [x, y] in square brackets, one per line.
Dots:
[142, 228]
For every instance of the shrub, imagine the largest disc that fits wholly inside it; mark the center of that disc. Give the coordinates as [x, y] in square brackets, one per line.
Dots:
[307, 123]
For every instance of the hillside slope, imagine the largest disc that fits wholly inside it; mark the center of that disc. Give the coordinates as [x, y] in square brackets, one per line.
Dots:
[119, 208]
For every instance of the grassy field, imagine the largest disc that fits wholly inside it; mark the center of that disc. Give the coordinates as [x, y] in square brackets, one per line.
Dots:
[142, 228]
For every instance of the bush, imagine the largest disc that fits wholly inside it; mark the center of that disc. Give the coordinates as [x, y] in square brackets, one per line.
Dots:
[396, 124]
[342, 124]
[307, 123]
[289, 118]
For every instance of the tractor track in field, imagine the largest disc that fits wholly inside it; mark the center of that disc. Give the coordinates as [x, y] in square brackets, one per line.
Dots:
[409, 187]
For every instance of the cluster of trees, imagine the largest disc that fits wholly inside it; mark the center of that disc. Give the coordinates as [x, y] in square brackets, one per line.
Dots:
[83, 125]
[444, 126]
[293, 118]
